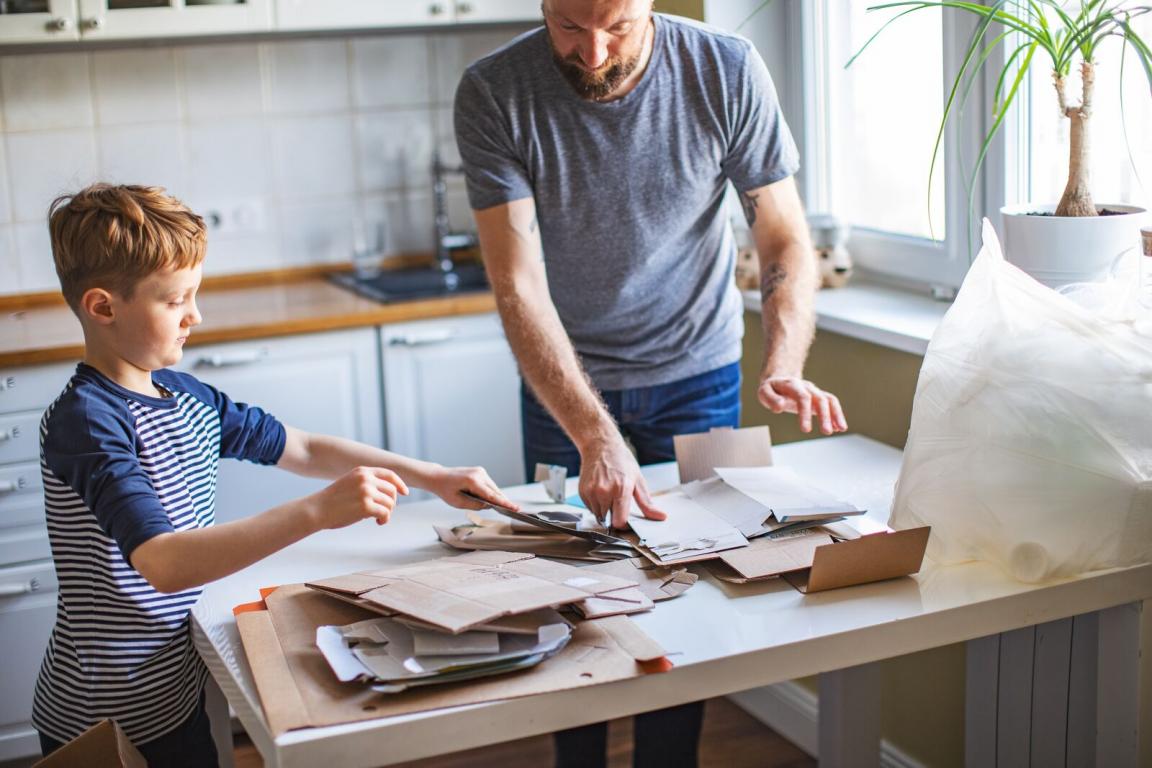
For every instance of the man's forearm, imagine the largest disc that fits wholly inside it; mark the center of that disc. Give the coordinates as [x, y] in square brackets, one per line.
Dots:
[787, 291]
[549, 364]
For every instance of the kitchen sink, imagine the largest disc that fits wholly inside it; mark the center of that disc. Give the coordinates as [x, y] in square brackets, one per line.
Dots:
[415, 283]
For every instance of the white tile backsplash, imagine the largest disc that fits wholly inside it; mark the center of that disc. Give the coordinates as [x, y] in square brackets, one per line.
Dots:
[313, 156]
[314, 130]
[46, 91]
[45, 164]
[222, 81]
[307, 77]
[227, 159]
[145, 154]
[316, 232]
[136, 86]
[395, 150]
[391, 71]
[34, 249]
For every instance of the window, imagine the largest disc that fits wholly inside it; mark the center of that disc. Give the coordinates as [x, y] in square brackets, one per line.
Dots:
[879, 119]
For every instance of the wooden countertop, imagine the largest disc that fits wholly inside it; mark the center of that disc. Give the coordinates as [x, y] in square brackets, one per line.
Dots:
[42, 329]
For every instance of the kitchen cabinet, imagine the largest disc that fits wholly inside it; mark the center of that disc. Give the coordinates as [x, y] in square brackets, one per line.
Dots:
[322, 382]
[452, 394]
[27, 578]
[353, 14]
[40, 21]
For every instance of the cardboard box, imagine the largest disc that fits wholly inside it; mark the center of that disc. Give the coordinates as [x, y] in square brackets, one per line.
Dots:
[812, 561]
[103, 745]
[297, 688]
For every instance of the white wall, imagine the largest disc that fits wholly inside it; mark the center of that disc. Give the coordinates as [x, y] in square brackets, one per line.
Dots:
[312, 132]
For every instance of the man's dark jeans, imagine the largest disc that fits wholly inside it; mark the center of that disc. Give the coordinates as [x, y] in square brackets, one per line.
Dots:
[649, 417]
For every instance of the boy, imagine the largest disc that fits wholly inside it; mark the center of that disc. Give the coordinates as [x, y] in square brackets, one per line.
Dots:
[129, 453]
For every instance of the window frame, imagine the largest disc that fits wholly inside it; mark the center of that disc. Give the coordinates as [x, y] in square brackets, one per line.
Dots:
[891, 256]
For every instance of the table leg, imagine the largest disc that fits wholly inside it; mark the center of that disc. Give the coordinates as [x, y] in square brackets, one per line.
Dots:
[850, 717]
[221, 719]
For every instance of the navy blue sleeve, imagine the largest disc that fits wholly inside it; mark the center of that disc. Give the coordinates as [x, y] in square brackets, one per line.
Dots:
[89, 444]
[246, 431]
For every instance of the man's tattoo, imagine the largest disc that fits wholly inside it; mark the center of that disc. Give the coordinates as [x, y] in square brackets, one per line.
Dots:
[749, 202]
[770, 280]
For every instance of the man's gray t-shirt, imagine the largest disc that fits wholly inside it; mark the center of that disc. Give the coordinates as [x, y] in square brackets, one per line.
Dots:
[629, 194]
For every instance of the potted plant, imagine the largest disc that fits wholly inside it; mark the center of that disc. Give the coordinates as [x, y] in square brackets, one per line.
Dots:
[1075, 240]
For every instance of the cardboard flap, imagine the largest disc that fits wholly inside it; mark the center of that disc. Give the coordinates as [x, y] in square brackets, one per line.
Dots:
[656, 581]
[498, 535]
[874, 557]
[283, 706]
[766, 557]
[697, 455]
[350, 584]
[633, 640]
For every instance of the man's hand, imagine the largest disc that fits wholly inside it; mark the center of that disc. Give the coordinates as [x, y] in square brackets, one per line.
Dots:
[610, 480]
[790, 394]
[363, 492]
[448, 482]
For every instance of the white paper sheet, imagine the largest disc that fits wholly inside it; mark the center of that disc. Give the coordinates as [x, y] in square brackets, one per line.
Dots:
[788, 495]
[687, 524]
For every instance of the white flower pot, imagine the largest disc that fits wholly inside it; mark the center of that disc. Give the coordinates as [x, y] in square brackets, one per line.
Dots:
[1058, 250]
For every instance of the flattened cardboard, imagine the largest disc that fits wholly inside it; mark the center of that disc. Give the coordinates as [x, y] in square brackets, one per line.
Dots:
[619, 603]
[657, 581]
[763, 558]
[875, 557]
[697, 455]
[103, 745]
[298, 689]
[498, 535]
[463, 592]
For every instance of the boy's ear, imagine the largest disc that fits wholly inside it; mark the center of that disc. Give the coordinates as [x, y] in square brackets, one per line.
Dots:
[96, 306]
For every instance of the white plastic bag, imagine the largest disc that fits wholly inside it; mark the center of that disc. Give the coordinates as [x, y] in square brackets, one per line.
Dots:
[1031, 438]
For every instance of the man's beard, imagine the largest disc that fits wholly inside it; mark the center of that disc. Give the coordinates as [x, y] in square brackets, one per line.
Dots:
[596, 85]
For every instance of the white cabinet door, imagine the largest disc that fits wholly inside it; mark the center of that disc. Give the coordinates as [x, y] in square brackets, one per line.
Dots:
[354, 14]
[27, 612]
[123, 19]
[497, 10]
[323, 382]
[38, 21]
[452, 394]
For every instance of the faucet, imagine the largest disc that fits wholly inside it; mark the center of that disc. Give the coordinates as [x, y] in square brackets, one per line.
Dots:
[446, 239]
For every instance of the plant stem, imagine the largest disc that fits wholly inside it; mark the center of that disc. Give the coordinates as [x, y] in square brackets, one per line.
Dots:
[1077, 198]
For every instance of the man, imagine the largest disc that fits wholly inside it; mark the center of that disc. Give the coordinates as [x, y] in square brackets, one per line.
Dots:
[597, 152]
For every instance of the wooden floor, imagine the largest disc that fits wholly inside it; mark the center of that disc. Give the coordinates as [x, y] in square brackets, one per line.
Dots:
[731, 739]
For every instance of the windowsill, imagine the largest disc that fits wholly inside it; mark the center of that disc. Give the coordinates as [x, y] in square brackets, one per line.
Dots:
[880, 314]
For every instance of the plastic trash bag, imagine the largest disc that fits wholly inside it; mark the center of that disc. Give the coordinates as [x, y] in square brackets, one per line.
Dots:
[1031, 437]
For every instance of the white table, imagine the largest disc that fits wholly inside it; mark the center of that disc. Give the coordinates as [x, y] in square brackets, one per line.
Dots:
[727, 638]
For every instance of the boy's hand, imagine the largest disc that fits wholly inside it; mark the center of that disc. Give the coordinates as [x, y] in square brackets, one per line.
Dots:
[363, 492]
[447, 482]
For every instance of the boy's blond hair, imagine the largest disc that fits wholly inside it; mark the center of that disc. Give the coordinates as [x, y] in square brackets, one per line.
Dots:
[113, 236]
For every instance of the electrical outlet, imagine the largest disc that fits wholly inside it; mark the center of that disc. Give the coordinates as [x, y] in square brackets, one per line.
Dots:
[240, 216]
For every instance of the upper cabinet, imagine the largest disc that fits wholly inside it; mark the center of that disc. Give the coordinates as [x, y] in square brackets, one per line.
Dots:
[352, 14]
[47, 21]
[42, 21]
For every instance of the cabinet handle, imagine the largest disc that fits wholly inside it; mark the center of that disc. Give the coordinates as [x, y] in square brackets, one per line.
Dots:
[93, 24]
[16, 588]
[9, 434]
[59, 24]
[463, 7]
[11, 486]
[436, 9]
[6, 383]
[227, 361]
[422, 339]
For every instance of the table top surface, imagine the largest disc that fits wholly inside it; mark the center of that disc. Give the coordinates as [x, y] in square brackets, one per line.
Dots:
[721, 637]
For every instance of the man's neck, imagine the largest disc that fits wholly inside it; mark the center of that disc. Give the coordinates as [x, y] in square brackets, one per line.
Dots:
[633, 79]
